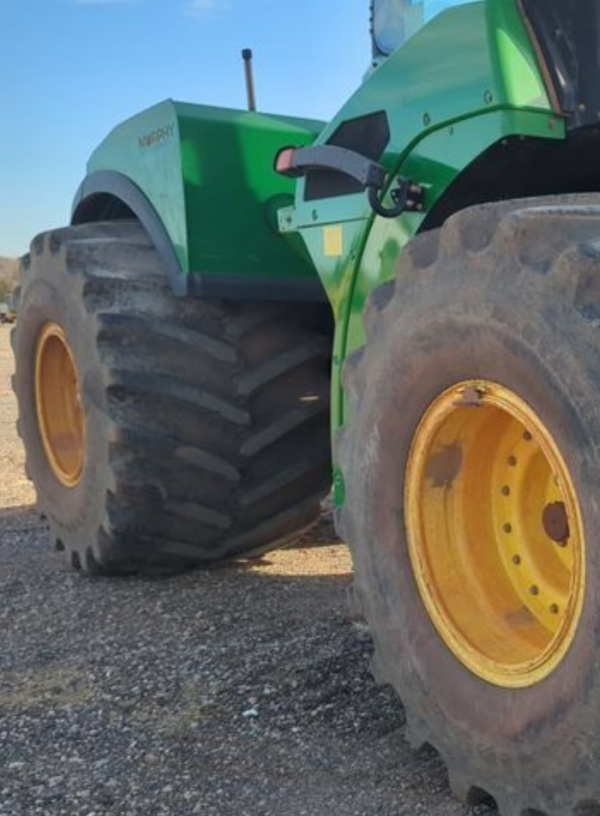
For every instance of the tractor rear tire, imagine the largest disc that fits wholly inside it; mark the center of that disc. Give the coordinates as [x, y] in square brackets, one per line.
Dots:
[472, 468]
[163, 433]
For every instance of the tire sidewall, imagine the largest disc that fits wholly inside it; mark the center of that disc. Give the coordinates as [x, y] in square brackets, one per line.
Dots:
[471, 718]
[48, 296]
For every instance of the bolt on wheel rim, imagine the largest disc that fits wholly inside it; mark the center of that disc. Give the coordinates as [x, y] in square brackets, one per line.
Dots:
[494, 533]
[58, 405]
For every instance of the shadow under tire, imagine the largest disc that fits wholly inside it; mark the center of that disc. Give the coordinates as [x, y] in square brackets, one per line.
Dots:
[162, 433]
[471, 465]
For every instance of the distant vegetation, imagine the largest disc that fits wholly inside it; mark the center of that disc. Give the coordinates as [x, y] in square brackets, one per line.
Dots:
[9, 272]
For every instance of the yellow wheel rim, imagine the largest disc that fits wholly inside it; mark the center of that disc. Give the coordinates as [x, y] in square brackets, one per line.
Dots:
[495, 534]
[58, 405]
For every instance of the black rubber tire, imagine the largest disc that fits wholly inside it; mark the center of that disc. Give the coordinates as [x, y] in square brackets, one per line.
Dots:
[207, 429]
[508, 293]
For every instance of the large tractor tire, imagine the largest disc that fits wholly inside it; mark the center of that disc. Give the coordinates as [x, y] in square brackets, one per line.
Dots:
[472, 471]
[161, 433]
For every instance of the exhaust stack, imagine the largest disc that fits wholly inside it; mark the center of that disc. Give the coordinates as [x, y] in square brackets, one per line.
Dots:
[247, 57]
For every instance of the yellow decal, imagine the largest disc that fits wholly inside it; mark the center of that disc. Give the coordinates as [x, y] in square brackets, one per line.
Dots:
[333, 241]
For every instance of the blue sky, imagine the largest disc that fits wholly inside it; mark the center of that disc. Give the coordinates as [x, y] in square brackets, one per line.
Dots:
[72, 69]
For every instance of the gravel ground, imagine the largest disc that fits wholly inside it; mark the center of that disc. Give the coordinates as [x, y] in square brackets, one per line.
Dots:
[243, 690]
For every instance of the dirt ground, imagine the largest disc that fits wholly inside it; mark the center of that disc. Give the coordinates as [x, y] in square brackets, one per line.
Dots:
[243, 690]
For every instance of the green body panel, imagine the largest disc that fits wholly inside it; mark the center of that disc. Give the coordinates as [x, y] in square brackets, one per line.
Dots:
[208, 173]
[464, 82]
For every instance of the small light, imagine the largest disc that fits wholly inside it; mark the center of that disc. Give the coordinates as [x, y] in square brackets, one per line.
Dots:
[284, 160]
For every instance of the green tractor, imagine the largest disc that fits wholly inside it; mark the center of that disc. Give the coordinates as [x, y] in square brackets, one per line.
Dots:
[419, 280]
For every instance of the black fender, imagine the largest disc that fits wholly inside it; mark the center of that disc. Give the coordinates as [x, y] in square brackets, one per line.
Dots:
[108, 195]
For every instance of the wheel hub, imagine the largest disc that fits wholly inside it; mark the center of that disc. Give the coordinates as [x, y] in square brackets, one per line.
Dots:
[58, 405]
[494, 533]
